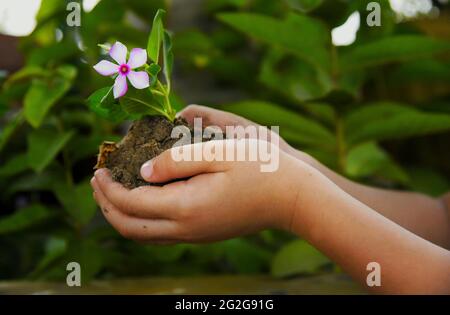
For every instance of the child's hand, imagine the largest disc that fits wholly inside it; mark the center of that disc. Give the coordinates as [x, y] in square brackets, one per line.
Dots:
[225, 199]
[218, 201]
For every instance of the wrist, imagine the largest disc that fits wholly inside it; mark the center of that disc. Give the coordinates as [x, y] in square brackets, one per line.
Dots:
[306, 190]
[291, 189]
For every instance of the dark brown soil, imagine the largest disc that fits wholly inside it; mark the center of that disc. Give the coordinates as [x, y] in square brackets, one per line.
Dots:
[145, 139]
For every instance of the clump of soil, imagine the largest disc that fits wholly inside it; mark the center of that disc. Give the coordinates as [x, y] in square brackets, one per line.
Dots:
[146, 138]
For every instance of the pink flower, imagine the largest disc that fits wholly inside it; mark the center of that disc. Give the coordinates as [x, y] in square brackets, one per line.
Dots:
[124, 69]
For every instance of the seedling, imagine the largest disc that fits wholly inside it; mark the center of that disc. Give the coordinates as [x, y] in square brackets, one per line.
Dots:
[137, 88]
[137, 94]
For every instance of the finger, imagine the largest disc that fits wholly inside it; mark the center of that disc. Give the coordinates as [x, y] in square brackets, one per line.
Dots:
[144, 230]
[186, 161]
[143, 202]
[211, 116]
[243, 128]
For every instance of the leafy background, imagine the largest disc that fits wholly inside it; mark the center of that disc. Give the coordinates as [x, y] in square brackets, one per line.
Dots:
[377, 111]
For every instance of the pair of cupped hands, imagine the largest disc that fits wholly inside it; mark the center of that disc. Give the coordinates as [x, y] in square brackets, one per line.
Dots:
[215, 201]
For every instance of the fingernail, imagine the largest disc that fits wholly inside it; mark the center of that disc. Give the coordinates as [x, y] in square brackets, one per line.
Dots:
[99, 172]
[147, 170]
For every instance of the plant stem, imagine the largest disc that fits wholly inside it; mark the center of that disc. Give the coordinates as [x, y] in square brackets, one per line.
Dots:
[167, 105]
[149, 105]
[170, 112]
[157, 92]
[334, 63]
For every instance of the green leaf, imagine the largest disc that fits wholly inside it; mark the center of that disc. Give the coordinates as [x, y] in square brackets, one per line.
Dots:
[246, 257]
[86, 146]
[77, 201]
[365, 159]
[103, 104]
[392, 49]
[217, 5]
[86, 203]
[26, 73]
[194, 44]
[166, 254]
[297, 257]
[373, 111]
[369, 159]
[305, 131]
[168, 58]
[34, 182]
[135, 106]
[49, 8]
[322, 112]
[306, 37]
[12, 93]
[41, 96]
[428, 181]
[304, 5]
[24, 218]
[44, 145]
[54, 248]
[294, 77]
[384, 121]
[366, 33]
[68, 72]
[17, 164]
[52, 53]
[427, 72]
[90, 255]
[156, 36]
[154, 69]
[99, 97]
[8, 130]
[37, 101]
[140, 102]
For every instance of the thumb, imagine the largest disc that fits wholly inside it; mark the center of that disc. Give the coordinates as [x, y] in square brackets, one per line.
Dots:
[183, 162]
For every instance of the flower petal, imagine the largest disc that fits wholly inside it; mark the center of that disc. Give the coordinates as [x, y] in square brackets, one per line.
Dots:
[139, 79]
[118, 52]
[106, 68]
[120, 86]
[138, 58]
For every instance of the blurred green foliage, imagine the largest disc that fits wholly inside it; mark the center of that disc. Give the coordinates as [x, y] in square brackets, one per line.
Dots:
[377, 111]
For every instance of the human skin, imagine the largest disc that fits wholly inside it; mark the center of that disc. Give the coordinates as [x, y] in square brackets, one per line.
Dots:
[425, 216]
[219, 200]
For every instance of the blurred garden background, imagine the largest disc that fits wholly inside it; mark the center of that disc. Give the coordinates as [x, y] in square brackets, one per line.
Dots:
[372, 103]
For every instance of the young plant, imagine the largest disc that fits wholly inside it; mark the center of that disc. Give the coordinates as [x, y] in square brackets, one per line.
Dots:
[150, 96]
